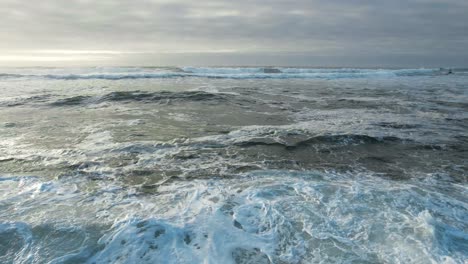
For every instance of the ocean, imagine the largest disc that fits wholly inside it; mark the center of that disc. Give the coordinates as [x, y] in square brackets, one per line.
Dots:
[233, 165]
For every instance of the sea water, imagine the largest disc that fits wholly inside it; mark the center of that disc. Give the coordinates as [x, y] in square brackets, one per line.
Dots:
[233, 165]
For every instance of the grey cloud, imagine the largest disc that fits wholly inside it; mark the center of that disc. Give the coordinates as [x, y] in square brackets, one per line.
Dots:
[428, 30]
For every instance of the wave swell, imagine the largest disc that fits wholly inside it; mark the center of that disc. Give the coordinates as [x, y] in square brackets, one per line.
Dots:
[218, 72]
[323, 139]
[124, 96]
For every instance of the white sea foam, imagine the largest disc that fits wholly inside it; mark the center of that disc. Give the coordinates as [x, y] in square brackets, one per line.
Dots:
[266, 216]
[212, 72]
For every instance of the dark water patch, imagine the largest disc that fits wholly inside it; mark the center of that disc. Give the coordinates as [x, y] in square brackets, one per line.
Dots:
[462, 138]
[142, 172]
[462, 122]
[389, 157]
[352, 104]
[430, 147]
[9, 75]
[26, 100]
[140, 148]
[463, 147]
[395, 125]
[262, 142]
[456, 119]
[15, 103]
[459, 147]
[271, 70]
[158, 96]
[351, 140]
[462, 105]
[247, 256]
[186, 156]
[9, 125]
[145, 97]
[242, 168]
[378, 159]
[75, 100]
[176, 69]
[316, 140]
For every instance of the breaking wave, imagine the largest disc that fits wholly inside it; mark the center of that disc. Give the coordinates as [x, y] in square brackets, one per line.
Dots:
[219, 72]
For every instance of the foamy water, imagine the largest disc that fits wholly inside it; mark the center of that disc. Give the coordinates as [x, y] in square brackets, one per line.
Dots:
[233, 165]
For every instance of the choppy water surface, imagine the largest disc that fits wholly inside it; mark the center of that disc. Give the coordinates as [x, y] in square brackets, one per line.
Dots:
[233, 165]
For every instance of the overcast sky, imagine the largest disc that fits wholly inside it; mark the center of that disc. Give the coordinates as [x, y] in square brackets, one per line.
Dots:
[362, 33]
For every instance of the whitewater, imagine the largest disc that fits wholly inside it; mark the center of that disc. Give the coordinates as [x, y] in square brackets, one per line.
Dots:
[233, 165]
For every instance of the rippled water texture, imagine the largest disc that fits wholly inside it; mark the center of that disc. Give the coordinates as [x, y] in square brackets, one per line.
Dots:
[233, 165]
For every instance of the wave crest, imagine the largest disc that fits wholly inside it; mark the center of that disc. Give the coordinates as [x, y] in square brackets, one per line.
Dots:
[216, 72]
[123, 96]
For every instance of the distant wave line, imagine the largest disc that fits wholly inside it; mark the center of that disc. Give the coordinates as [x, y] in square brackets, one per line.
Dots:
[218, 72]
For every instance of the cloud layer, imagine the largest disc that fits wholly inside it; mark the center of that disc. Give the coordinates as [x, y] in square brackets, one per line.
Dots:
[220, 31]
